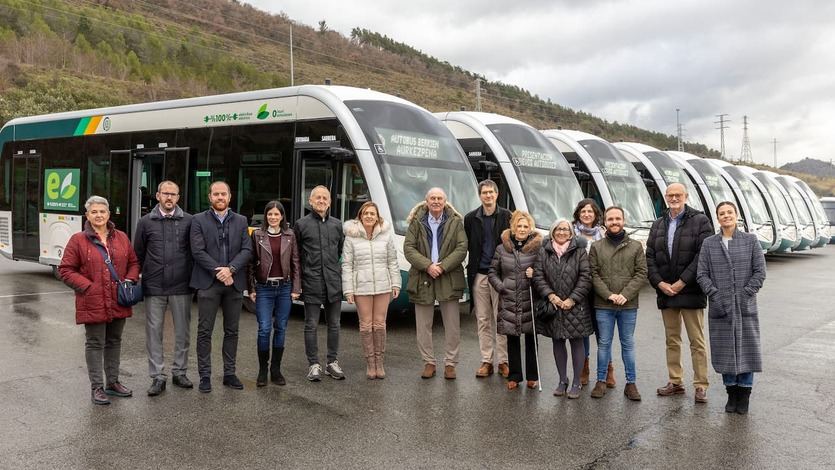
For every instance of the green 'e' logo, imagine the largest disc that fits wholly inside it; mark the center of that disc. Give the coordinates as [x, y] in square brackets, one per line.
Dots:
[61, 189]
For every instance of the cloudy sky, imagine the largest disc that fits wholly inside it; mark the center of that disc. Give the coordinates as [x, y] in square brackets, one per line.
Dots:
[635, 61]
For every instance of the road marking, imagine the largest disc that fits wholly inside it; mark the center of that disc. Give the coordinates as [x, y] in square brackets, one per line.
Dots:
[36, 293]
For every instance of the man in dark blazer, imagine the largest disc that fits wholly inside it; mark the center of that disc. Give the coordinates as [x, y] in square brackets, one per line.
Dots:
[221, 248]
[673, 246]
[484, 226]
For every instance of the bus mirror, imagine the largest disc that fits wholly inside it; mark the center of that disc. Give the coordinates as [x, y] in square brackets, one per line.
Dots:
[581, 175]
[649, 182]
[488, 165]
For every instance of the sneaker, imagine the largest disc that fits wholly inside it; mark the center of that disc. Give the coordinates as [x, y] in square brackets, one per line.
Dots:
[98, 397]
[205, 385]
[314, 374]
[233, 382]
[118, 390]
[157, 387]
[182, 381]
[561, 388]
[574, 392]
[334, 371]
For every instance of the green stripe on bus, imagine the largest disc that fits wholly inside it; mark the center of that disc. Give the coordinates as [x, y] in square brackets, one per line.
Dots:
[82, 125]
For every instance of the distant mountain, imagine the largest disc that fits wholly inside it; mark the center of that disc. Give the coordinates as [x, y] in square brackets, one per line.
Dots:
[811, 166]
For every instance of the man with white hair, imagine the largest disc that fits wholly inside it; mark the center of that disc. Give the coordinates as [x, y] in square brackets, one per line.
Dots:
[436, 245]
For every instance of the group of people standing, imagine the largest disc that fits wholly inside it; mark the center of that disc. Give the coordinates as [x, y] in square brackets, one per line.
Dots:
[582, 278]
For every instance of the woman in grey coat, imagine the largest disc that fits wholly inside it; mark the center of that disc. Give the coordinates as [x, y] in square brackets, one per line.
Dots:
[510, 273]
[731, 271]
[562, 275]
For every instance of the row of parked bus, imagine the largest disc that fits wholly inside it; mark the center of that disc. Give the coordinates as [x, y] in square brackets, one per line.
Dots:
[278, 144]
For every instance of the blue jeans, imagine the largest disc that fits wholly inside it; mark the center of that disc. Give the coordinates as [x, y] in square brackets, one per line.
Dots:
[272, 308]
[625, 319]
[743, 380]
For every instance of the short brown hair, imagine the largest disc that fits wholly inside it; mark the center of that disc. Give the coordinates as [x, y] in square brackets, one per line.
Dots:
[367, 205]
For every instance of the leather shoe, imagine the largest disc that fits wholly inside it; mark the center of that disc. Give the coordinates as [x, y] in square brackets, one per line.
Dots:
[701, 395]
[670, 389]
[205, 385]
[232, 381]
[504, 370]
[485, 370]
[157, 387]
[118, 390]
[532, 383]
[449, 372]
[428, 371]
[599, 390]
[182, 381]
[512, 385]
[631, 392]
[98, 397]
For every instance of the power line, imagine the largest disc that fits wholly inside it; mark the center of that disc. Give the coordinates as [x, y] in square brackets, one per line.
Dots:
[745, 155]
[722, 121]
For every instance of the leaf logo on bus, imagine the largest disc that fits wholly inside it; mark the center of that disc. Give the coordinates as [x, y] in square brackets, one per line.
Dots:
[68, 189]
[262, 112]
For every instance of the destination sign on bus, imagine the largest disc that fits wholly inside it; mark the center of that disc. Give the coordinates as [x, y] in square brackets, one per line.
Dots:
[671, 176]
[614, 168]
[711, 180]
[533, 157]
[398, 143]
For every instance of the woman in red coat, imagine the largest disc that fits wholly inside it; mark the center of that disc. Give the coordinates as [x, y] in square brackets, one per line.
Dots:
[83, 268]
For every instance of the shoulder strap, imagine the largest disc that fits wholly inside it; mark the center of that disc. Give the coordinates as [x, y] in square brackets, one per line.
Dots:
[107, 262]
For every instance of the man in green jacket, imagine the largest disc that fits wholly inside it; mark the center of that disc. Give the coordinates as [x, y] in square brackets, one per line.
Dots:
[619, 270]
[436, 245]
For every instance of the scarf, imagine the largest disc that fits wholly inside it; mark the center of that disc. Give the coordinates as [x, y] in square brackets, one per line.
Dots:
[596, 232]
[560, 249]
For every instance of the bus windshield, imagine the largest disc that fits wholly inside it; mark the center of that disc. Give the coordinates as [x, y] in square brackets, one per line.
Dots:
[756, 203]
[549, 185]
[672, 173]
[784, 214]
[415, 152]
[820, 215]
[803, 215]
[719, 189]
[624, 182]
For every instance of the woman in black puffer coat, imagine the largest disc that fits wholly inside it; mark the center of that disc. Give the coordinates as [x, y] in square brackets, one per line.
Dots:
[562, 275]
[510, 274]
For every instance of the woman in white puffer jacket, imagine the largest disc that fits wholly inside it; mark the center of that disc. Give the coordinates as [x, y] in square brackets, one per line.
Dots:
[370, 278]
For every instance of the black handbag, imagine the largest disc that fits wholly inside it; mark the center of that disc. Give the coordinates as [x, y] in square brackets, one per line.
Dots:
[544, 310]
[128, 293]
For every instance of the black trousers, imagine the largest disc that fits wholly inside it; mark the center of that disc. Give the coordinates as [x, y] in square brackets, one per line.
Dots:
[229, 300]
[514, 358]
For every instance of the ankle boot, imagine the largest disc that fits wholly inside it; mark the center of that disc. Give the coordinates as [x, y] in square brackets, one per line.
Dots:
[275, 367]
[610, 376]
[380, 351]
[368, 351]
[584, 375]
[730, 407]
[263, 359]
[742, 396]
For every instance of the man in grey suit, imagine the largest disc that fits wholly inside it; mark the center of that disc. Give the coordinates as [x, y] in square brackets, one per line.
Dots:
[221, 248]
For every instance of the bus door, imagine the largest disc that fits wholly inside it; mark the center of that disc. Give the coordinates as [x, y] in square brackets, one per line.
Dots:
[26, 190]
[335, 168]
[150, 167]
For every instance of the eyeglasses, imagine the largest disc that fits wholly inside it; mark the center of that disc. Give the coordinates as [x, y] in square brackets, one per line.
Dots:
[170, 194]
[675, 196]
[562, 229]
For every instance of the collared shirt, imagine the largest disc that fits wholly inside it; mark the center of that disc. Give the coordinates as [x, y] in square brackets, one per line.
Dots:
[220, 216]
[434, 224]
[671, 231]
[223, 236]
[166, 214]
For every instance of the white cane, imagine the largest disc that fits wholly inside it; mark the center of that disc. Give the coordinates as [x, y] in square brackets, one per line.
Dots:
[535, 341]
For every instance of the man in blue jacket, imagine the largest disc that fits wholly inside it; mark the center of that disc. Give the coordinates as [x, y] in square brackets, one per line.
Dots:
[221, 248]
[161, 243]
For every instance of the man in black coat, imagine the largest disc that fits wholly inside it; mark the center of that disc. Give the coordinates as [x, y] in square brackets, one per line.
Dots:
[675, 240]
[320, 238]
[161, 243]
[484, 227]
[221, 248]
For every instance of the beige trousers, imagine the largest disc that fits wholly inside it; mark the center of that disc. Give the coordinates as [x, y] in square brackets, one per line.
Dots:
[486, 308]
[424, 316]
[694, 323]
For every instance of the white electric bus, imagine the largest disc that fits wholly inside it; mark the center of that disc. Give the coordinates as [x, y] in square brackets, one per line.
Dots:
[267, 144]
[804, 212]
[818, 212]
[613, 181]
[790, 237]
[828, 204]
[760, 216]
[659, 170]
[531, 173]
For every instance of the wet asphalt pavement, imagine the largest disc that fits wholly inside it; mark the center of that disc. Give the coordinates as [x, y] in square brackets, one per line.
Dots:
[47, 420]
